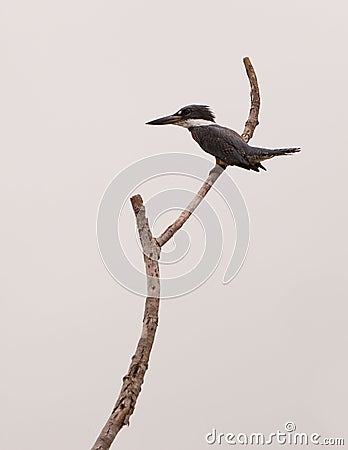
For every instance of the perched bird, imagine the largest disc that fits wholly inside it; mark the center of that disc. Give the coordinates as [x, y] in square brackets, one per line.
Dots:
[226, 145]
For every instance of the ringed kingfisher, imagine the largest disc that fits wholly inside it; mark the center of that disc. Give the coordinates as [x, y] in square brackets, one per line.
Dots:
[226, 145]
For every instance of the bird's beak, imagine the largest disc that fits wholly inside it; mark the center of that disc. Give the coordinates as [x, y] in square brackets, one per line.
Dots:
[167, 120]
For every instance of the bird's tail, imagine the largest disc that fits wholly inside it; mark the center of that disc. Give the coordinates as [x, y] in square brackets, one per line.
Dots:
[258, 155]
[268, 153]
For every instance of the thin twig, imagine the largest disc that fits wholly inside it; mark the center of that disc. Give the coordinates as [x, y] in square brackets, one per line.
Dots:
[179, 222]
[255, 101]
[134, 379]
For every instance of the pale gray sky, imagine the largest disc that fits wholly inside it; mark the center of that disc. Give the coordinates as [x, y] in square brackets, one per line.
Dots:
[78, 81]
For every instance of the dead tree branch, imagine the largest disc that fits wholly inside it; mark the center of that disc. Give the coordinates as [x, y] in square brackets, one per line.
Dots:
[134, 379]
[255, 101]
[151, 246]
[179, 222]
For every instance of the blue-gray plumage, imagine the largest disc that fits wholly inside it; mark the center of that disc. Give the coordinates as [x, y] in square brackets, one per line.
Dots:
[226, 145]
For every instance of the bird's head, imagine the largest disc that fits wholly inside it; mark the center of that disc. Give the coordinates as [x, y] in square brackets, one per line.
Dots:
[188, 116]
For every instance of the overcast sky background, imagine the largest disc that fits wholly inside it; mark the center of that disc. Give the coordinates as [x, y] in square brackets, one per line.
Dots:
[78, 81]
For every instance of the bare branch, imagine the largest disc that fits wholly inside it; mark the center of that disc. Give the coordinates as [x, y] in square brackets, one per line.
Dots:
[179, 222]
[253, 119]
[134, 379]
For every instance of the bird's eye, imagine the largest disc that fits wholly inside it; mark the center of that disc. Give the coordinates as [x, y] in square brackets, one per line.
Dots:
[186, 111]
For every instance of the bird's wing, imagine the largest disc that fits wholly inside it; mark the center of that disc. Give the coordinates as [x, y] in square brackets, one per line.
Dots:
[223, 143]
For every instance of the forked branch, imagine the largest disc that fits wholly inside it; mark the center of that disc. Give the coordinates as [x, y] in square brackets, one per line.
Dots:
[151, 246]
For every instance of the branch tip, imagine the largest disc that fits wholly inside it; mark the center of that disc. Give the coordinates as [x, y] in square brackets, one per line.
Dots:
[137, 202]
[252, 121]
